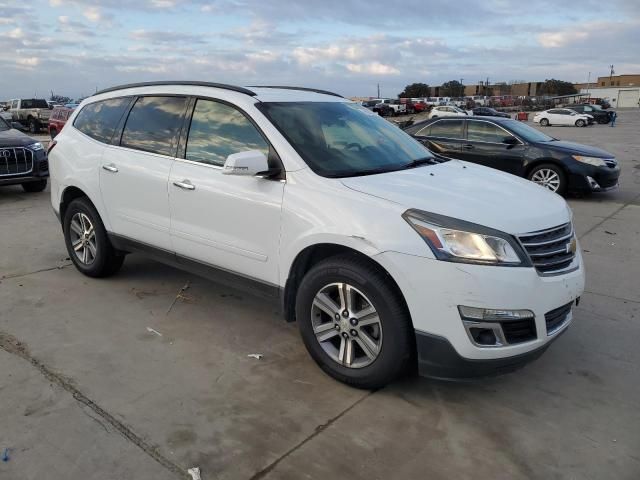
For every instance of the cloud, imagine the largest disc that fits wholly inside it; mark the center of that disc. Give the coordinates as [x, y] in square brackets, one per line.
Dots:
[561, 39]
[164, 37]
[373, 68]
[93, 14]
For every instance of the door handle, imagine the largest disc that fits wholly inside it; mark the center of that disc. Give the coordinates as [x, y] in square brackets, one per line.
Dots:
[110, 168]
[468, 146]
[185, 185]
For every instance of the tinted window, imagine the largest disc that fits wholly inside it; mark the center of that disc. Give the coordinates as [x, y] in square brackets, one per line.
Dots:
[218, 130]
[153, 124]
[447, 129]
[100, 119]
[485, 132]
[555, 111]
[34, 103]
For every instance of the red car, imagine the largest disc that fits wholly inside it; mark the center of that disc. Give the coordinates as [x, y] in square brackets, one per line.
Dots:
[58, 118]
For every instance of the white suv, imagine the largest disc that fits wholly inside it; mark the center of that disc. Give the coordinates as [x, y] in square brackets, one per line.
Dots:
[384, 253]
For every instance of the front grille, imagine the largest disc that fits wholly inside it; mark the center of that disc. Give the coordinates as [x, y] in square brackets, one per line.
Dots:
[518, 331]
[557, 317]
[15, 161]
[551, 251]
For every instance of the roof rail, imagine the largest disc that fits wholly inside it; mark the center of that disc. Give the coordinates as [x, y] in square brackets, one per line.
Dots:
[302, 89]
[234, 88]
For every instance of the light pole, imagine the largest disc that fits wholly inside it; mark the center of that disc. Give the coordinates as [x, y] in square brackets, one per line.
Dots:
[461, 88]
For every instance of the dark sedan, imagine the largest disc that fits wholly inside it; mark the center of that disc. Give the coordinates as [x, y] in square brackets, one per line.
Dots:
[599, 115]
[23, 160]
[489, 112]
[517, 148]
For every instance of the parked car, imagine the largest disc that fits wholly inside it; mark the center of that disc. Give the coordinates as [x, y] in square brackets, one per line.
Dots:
[415, 107]
[59, 117]
[23, 160]
[446, 112]
[599, 115]
[34, 113]
[562, 116]
[489, 112]
[519, 149]
[370, 104]
[381, 251]
[390, 107]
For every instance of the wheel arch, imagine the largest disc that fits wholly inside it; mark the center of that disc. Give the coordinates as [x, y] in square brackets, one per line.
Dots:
[543, 161]
[312, 255]
[69, 194]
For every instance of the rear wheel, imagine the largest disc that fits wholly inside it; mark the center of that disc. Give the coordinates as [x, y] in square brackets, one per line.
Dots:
[87, 242]
[580, 123]
[550, 177]
[353, 322]
[33, 125]
[544, 122]
[36, 186]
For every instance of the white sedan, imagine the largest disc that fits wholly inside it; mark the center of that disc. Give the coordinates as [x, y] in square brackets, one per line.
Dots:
[562, 116]
[448, 111]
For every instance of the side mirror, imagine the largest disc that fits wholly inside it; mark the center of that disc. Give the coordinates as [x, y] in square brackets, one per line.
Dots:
[510, 140]
[250, 163]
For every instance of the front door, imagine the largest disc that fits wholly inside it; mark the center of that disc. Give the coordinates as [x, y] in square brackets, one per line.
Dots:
[443, 136]
[226, 221]
[487, 145]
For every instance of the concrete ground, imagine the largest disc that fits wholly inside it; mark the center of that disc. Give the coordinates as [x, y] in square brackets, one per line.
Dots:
[88, 391]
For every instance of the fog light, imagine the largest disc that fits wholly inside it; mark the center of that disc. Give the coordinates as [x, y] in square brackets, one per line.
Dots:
[593, 184]
[483, 336]
[492, 315]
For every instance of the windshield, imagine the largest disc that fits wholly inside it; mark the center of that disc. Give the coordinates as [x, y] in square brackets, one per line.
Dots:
[4, 125]
[338, 139]
[526, 132]
[34, 103]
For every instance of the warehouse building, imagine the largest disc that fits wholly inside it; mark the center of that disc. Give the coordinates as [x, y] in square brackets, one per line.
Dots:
[618, 97]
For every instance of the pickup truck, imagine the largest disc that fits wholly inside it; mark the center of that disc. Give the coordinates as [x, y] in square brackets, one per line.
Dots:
[33, 113]
[390, 107]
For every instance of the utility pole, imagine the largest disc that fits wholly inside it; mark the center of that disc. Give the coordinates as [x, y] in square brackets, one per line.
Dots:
[612, 72]
[589, 83]
[461, 88]
[378, 90]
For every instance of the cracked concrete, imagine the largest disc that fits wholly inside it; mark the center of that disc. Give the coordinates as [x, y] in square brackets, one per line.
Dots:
[86, 391]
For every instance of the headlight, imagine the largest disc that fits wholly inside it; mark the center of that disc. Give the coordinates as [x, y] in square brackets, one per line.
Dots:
[595, 161]
[35, 147]
[456, 240]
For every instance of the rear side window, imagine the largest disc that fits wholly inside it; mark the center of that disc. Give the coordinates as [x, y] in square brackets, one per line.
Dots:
[99, 120]
[218, 130]
[485, 132]
[447, 129]
[153, 124]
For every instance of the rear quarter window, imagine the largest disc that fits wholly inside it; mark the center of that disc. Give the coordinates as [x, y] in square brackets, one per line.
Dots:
[99, 120]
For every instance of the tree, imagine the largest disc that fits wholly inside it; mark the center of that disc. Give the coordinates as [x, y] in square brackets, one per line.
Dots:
[557, 87]
[59, 99]
[415, 90]
[452, 88]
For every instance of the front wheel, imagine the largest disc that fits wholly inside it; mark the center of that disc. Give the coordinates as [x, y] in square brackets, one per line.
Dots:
[580, 123]
[33, 187]
[544, 122]
[86, 239]
[550, 177]
[354, 323]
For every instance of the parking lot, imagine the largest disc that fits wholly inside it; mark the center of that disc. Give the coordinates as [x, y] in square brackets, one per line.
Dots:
[146, 374]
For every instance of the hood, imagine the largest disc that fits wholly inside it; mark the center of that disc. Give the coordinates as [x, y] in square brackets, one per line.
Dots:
[14, 138]
[469, 192]
[576, 148]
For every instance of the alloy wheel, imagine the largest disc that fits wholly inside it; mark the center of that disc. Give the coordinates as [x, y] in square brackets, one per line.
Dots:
[547, 178]
[83, 238]
[347, 325]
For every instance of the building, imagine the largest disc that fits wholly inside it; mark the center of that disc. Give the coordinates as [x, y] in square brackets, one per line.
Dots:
[619, 97]
[632, 80]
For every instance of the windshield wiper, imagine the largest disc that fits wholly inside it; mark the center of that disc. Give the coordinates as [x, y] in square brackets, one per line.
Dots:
[419, 162]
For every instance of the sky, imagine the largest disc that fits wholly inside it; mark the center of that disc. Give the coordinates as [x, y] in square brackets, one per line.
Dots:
[73, 47]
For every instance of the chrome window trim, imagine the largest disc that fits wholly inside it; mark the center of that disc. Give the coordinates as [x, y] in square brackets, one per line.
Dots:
[444, 119]
[520, 142]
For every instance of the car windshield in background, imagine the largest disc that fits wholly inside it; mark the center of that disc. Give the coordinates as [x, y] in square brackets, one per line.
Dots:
[339, 139]
[34, 103]
[526, 132]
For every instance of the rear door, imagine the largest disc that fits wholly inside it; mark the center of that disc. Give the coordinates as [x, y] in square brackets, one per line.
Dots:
[226, 221]
[487, 145]
[444, 136]
[135, 171]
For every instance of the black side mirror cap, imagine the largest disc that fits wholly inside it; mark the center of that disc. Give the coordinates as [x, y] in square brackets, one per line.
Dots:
[510, 140]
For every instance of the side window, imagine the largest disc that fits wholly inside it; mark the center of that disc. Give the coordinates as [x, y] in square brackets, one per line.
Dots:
[99, 120]
[424, 132]
[27, 104]
[447, 129]
[218, 130]
[153, 124]
[555, 111]
[484, 132]
[14, 104]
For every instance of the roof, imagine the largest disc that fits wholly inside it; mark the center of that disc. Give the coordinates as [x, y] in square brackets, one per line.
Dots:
[261, 93]
[418, 125]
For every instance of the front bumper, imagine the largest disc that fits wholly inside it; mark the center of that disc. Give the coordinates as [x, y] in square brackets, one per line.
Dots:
[434, 289]
[39, 171]
[593, 179]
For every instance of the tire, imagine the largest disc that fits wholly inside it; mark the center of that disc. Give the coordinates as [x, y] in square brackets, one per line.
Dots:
[550, 177]
[33, 126]
[391, 335]
[544, 122]
[53, 132]
[580, 123]
[101, 259]
[33, 187]
[603, 120]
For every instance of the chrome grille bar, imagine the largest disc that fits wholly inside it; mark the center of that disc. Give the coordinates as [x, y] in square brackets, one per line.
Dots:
[551, 250]
[15, 161]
